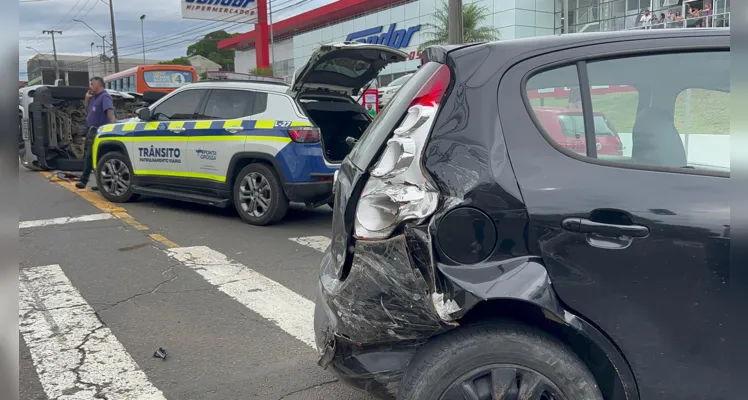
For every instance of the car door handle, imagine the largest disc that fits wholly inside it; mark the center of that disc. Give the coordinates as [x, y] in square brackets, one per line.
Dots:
[235, 129]
[584, 225]
[177, 130]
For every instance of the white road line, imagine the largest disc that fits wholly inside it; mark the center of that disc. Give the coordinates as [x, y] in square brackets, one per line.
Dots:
[318, 243]
[271, 300]
[76, 356]
[64, 220]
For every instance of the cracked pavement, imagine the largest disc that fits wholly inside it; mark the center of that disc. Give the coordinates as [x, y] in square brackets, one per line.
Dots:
[135, 299]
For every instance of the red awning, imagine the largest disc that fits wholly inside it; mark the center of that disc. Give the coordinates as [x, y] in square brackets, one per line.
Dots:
[325, 15]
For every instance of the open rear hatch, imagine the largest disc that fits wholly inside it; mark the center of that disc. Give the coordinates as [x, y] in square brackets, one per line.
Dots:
[325, 85]
[343, 68]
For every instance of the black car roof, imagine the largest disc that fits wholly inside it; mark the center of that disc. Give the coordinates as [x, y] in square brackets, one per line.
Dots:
[518, 46]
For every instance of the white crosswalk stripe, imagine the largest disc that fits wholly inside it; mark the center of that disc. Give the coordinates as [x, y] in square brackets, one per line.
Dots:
[63, 220]
[76, 356]
[271, 300]
[319, 243]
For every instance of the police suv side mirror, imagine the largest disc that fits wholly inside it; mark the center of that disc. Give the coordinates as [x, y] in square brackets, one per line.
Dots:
[144, 114]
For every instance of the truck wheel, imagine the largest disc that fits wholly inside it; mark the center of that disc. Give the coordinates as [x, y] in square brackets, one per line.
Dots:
[258, 195]
[497, 361]
[114, 178]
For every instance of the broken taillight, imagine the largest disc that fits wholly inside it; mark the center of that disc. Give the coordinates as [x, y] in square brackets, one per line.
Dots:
[304, 135]
[398, 190]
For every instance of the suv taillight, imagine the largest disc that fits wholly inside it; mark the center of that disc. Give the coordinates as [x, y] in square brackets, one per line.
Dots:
[304, 135]
[398, 190]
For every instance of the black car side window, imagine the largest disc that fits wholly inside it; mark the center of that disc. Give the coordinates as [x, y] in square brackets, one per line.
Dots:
[181, 106]
[666, 110]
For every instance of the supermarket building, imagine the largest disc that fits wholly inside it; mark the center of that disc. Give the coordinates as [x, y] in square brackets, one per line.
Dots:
[404, 24]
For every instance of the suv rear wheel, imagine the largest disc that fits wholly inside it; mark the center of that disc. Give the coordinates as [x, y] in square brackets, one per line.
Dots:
[258, 195]
[494, 360]
[114, 178]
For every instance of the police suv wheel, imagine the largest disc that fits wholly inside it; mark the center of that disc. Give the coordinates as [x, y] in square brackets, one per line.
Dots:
[114, 178]
[258, 195]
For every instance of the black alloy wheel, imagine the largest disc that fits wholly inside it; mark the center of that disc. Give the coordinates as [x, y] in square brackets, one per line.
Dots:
[114, 178]
[258, 195]
[503, 381]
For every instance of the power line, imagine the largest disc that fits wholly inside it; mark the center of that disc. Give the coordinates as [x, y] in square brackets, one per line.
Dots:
[191, 39]
[180, 33]
[171, 36]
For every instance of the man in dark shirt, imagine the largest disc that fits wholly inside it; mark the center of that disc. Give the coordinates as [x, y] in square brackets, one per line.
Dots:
[100, 112]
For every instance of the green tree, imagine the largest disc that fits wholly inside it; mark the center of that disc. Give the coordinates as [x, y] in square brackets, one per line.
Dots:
[177, 61]
[208, 48]
[261, 71]
[473, 16]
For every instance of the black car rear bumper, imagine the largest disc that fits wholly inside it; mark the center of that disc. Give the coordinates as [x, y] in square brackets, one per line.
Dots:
[369, 326]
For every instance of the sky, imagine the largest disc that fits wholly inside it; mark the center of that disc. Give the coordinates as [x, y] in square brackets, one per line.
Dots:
[167, 35]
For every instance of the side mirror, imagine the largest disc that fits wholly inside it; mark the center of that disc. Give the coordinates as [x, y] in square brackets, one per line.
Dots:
[351, 141]
[144, 114]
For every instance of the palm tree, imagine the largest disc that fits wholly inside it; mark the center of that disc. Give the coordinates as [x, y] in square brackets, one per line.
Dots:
[472, 31]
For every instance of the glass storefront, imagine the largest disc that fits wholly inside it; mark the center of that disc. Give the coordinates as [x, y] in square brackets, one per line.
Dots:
[616, 15]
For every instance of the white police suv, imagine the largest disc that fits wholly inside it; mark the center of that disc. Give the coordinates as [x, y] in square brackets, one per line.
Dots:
[257, 145]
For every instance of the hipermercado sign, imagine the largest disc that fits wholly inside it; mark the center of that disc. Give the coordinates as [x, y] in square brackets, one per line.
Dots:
[244, 11]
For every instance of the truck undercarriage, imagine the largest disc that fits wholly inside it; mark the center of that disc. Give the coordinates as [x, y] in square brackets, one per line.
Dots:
[56, 126]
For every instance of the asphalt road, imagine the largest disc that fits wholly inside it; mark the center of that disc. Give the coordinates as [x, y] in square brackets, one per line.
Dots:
[229, 302]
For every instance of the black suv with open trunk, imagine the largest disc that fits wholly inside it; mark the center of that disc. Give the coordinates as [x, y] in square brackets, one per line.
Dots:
[476, 256]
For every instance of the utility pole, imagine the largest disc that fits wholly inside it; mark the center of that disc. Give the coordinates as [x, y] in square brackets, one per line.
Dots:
[103, 61]
[54, 51]
[454, 22]
[93, 70]
[272, 40]
[114, 37]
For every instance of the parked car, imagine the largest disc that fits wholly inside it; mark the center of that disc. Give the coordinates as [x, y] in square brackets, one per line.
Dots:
[566, 127]
[473, 256]
[256, 145]
[386, 92]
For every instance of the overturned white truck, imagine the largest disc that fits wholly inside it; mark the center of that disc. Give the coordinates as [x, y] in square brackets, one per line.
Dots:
[53, 124]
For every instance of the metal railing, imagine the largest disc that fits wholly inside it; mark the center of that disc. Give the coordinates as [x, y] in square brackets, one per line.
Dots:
[721, 20]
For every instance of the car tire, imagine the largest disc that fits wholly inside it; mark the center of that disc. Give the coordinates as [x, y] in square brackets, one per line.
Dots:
[115, 161]
[514, 351]
[267, 191]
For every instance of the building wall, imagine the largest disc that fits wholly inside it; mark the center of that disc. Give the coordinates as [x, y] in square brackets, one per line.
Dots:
[245, 61]
[203, 64]
[513, 18]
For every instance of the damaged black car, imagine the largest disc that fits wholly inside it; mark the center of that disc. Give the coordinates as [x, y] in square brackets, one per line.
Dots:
[539, 219]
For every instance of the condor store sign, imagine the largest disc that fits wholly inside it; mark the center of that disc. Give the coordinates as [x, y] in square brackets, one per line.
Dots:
[244, 11]
[396, 38]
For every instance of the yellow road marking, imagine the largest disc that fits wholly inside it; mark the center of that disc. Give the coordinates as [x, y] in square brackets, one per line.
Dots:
[109, 207]
[161, 239]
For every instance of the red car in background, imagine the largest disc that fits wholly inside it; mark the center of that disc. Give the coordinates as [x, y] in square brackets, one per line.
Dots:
[566, 127]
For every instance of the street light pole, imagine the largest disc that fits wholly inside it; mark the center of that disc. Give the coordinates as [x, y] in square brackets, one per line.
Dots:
[93, 70]
[454, 22]
[54, 51]
[142, 35]
[114, 37]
